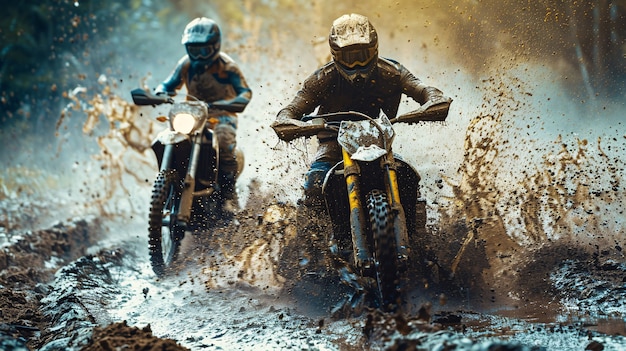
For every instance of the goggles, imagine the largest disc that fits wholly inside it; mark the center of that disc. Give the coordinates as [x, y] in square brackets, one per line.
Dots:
[201, 52]
[355, 58]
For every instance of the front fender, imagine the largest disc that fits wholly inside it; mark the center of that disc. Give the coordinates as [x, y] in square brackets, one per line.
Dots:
[169, 137]
[368, 153]
[180, 144]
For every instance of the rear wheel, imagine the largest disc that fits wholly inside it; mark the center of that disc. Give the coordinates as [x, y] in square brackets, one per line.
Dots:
[165, 234]
[385, 252]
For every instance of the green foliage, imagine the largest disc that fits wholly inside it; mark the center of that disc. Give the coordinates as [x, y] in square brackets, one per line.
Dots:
[45, 44]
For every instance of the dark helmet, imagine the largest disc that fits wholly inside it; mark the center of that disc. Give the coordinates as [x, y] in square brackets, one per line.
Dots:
[202, 39]
[354, 46]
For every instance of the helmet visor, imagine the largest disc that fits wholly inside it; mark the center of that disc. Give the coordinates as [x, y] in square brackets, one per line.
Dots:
[355, 58]
[201, 51]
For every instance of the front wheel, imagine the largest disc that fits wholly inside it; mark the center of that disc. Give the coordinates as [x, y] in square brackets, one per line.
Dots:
[385, 252]
[165, 234]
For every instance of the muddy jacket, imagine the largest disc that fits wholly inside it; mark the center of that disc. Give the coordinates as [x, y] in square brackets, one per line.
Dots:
[327, 89]
[222, 82]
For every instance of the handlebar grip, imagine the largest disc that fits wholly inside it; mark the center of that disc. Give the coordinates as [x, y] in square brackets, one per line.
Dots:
[143, 98]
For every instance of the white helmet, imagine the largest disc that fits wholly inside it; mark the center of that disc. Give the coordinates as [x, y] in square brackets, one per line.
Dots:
[202, 39]
[354, 46]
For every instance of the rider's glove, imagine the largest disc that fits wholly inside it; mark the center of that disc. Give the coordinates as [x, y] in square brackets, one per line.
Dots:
[288, 129]
[162, 91]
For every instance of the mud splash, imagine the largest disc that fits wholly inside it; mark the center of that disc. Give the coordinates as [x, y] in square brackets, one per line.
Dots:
[123, 136]
[523, 201]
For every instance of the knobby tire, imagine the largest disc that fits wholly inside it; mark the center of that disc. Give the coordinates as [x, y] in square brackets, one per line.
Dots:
[385, 252]
[165, 234]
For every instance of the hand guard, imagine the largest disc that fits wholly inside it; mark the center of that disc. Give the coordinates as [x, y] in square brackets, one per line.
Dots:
[431, 111]
[288, 129]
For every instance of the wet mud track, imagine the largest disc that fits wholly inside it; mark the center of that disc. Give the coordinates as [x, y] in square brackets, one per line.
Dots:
[63, 288]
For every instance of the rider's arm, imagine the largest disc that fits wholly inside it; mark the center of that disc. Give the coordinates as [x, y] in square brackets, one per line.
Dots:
[420, 92]
[287, 124]
[243, 91]
[175, 80]
[313, 91]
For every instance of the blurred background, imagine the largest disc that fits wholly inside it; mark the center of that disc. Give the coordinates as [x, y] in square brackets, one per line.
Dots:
[48, 46]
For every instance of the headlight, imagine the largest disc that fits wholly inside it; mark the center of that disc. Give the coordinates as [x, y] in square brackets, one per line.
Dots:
[184, 123]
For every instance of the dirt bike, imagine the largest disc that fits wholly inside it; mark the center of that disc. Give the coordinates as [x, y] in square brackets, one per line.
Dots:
[186, 192]
[372, 196]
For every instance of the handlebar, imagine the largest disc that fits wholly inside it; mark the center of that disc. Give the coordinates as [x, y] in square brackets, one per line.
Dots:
[288, 130]
[429, 112]
[337, 117]
[432, 111]
[142, 97]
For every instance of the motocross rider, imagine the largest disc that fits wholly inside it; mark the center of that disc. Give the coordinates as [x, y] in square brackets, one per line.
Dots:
[356, 79]
[212, 76]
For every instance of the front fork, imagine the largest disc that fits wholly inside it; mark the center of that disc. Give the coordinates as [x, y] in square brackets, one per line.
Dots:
[186, 199]
[351, 172]
[360, 243]
[399, 217]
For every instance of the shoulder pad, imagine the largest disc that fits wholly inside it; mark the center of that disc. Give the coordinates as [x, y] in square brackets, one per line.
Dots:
[183, 61]
[225, 58]
[389, 68]
[228, 63]
[327, 69]
[389, 62]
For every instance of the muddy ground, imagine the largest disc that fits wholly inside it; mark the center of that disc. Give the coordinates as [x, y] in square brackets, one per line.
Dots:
[70, 286]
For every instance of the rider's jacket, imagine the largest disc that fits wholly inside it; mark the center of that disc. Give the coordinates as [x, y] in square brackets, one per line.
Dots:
[328, 89]
[218, 82]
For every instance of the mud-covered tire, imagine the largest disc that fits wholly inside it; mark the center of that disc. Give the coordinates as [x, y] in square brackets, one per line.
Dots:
[164, 233]
[385, 251]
